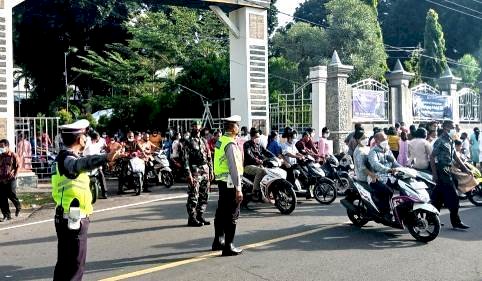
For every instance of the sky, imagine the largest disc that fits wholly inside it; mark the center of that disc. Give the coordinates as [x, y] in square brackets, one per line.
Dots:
[287, 6]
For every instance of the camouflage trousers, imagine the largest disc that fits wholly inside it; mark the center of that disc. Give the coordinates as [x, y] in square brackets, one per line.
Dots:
[198, 194]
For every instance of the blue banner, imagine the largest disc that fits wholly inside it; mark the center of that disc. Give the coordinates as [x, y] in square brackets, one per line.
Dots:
[431, 107]
[369, 104]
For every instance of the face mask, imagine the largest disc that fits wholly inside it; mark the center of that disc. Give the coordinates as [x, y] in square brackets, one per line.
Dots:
[2, 150]
[131, 139]
[364, 142]
[295, 137]
[326, 135]
[104, 136]
[257, 140]
[384, 145]
[452, 133]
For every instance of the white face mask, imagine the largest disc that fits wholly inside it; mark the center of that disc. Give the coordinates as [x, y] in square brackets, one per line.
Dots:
[452, 133]
[326, 135]
[2, 150]
[384, 145]
[257, 140]
[364, 142]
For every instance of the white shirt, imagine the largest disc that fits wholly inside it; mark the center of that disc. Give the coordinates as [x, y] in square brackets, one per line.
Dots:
[93, 148]
[175, 149]
[263, 141]
[289, 148]
[420, 150]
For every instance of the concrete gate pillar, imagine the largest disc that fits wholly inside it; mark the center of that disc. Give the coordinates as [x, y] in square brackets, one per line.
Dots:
[400, 95]
[318, 75]
[448, 86]
[249, 67]
[339, 108]
[7, 119]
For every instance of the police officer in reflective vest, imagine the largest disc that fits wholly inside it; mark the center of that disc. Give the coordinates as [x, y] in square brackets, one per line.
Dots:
[228, 169]
[199, 170]
[73, 198]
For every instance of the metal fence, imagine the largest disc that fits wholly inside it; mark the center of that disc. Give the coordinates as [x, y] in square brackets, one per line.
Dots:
[43, 135]
[469, 105]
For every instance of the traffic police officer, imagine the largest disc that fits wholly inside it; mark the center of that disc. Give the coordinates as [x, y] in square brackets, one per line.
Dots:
[228, 169]
[73, 198]
[199, 172]
[442, 158]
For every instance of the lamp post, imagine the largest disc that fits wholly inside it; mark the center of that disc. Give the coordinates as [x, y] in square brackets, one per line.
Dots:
[69, 51]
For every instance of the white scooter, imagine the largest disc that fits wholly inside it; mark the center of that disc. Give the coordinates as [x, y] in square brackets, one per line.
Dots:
[411, 209]
[273, 185]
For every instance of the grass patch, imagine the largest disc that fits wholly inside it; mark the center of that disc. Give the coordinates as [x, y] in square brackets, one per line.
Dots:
[35, 199]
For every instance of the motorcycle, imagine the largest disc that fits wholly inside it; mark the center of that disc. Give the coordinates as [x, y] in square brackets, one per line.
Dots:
[308, 175]
[346, 163]
[274, 185]
[94, 184]
[132, 174]
[333, 171]
[411, 209]
[162, 169]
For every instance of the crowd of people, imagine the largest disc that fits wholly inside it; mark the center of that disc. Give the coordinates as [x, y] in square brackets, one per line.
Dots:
[439, 149]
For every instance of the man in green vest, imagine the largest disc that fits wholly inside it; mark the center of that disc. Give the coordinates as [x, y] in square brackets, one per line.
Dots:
[228, 169]
[72, 195]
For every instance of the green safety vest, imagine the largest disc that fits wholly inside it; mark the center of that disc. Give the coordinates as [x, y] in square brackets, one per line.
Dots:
[65, 190]
[221, 167]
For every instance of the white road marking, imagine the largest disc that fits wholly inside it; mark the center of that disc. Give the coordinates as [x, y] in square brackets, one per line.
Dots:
[101, 210]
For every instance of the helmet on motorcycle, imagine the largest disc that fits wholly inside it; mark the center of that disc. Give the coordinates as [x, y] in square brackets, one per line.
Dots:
[332, 160]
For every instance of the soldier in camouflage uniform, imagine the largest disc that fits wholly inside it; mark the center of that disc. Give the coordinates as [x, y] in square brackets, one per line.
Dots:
[199, 172]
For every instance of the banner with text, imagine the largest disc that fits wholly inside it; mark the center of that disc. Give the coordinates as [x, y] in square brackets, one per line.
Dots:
[369, 104]
[431, 107]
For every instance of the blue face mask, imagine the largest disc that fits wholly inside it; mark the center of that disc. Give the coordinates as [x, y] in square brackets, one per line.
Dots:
[2, 150]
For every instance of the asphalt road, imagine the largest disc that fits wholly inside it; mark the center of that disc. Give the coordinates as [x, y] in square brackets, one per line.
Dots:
[149, 240]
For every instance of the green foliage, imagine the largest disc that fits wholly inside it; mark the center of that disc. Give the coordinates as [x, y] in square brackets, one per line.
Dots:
[469, 70]
[302, 43]
[355, 33]
[272, 17]
[434, 46]
[65, 116]
[312, 10]
[283, 75]
[90, 118]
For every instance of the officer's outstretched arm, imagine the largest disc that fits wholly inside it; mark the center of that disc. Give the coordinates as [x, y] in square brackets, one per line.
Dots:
[76, 165]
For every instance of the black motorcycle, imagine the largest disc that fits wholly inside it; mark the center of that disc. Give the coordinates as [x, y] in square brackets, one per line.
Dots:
[334, 171]
[308, 176]
[132, 174]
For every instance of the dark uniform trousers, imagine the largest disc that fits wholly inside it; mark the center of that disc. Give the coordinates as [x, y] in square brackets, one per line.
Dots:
[227, 212]
[8, 192]
[445, 194]
[198, 195]
[72, 251]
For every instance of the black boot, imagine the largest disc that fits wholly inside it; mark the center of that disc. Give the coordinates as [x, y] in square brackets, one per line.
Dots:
[455, 220]
[194, 222]
[202, 220]
[229, 248]
[218, 243]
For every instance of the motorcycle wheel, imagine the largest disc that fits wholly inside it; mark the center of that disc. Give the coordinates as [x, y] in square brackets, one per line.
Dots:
[358, 218]
[425, 227]
[94, 189]
[342, 185]
[285, 197]
[324, 192]
[167, 178]
[475, 195]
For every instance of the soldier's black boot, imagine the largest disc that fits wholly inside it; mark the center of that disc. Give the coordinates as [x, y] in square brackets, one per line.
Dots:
[218, 243]
[229, 248]
[455, 220]
[202, 220]
[194, 222]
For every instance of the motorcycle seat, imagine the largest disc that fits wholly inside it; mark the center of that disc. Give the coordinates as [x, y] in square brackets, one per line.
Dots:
[249, 177]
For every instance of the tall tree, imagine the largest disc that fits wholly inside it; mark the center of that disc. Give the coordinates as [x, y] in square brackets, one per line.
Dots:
[468, 69]
[355, 33]
[272, 17]
[302, 43]
[313, 11]
[433, 61]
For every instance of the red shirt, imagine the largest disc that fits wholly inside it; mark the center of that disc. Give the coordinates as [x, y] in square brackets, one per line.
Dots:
[8, 166]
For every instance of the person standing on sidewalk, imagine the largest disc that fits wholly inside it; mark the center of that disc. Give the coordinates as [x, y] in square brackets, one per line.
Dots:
[228, 169]
[9, 165]
[73, 198]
